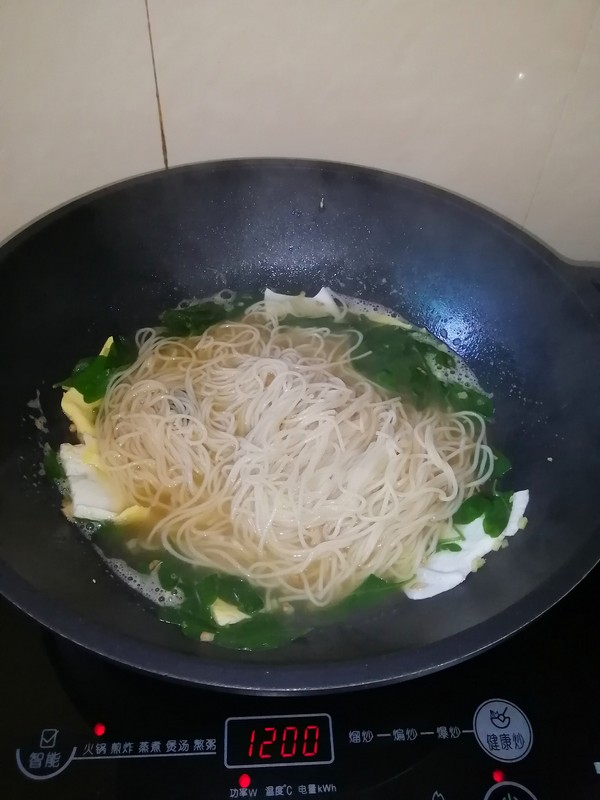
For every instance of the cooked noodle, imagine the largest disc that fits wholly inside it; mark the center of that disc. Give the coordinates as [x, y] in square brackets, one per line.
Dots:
[264, 454]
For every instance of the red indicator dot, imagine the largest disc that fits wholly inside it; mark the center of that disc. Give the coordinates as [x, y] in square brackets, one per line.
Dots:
[99, 729]
[244, 781]
[498, 775]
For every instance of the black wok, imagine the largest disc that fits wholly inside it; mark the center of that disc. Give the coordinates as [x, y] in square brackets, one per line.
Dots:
[524, 320]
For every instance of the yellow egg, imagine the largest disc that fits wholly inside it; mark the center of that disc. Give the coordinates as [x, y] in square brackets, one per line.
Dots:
[82, 414]
[106, 346]
[225, 614]
[132, 515]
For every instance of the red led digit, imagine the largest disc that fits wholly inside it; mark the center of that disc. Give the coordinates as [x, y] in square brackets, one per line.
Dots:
[290, 741]
[267, 742]
[252, 738]
[310, 749]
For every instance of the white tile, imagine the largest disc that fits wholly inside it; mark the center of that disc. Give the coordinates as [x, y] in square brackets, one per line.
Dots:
[566, 207]
[463, 93]
[77, 102]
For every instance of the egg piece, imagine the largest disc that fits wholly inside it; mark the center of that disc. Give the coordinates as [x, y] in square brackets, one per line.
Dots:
[106, 346]
[225, 614]
[90, 453]
[322, 304]
[445, 570]
[82, 414]
[133, 515]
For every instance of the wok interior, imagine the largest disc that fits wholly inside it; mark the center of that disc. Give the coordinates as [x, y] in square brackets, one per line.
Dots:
[111, 262]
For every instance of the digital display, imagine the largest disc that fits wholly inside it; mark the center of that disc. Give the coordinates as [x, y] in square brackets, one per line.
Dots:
[278, 741]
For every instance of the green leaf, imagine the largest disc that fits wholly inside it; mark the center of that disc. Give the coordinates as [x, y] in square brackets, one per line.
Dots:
[117, 542]
[398, 360]
[52, 466]
[451, 546]
[261, 632]
[91, 376]
[207, 591]
[170, 614]
[238, 592]
[123, 352]
[443, 359]
[501, 464]
[370, 591]
[497, 514]
[470, 510]
[168, 578]
[495, 510]
[194, 628]
[461, 398]
[318, 322]
[194, 609]
[194, 319]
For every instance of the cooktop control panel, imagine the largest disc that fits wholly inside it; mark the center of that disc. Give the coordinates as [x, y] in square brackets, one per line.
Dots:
[304, 754]
[520, 722]
[379, 744]
[299, 755]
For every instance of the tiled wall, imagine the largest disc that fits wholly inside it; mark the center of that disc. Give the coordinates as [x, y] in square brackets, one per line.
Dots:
[498, 100]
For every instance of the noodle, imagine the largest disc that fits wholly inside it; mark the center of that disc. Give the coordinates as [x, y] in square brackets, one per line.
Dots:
[263, 453]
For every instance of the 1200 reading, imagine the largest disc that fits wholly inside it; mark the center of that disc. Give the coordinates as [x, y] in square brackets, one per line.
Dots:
[278, 741]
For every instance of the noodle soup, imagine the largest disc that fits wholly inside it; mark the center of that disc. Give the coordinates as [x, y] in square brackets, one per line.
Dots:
[256, 457]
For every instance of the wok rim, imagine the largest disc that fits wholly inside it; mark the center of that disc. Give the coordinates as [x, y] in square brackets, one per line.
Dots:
[309, 678]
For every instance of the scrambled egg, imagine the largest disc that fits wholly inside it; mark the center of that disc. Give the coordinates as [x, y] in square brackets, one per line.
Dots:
[82, 414]
[225, 614]
[90, 492]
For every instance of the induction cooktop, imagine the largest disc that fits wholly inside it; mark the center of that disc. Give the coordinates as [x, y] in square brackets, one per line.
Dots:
[520, 722]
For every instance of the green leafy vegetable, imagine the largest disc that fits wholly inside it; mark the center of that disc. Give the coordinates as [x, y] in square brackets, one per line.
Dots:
[497, 514]
[445, 360]
[192, 320]
[490, 503]
[200, 588]
[261, 632]
[91, 376]
[52, 466]
[501, 464]
[460, 398]
[194, 627]
[494, 508]
[168, 578]
[400, 360]
[470, 510]
[371, 590]
[239, 593]
[451, 546]
[195, 318]
[118, 542]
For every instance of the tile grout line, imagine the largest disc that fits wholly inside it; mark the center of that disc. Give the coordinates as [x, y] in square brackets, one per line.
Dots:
[163, 138]
[561, 116]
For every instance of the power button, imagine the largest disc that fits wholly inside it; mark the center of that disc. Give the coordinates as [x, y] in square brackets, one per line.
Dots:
[507, 790]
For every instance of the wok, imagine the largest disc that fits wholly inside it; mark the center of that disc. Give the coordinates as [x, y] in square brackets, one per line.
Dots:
[523, 319]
